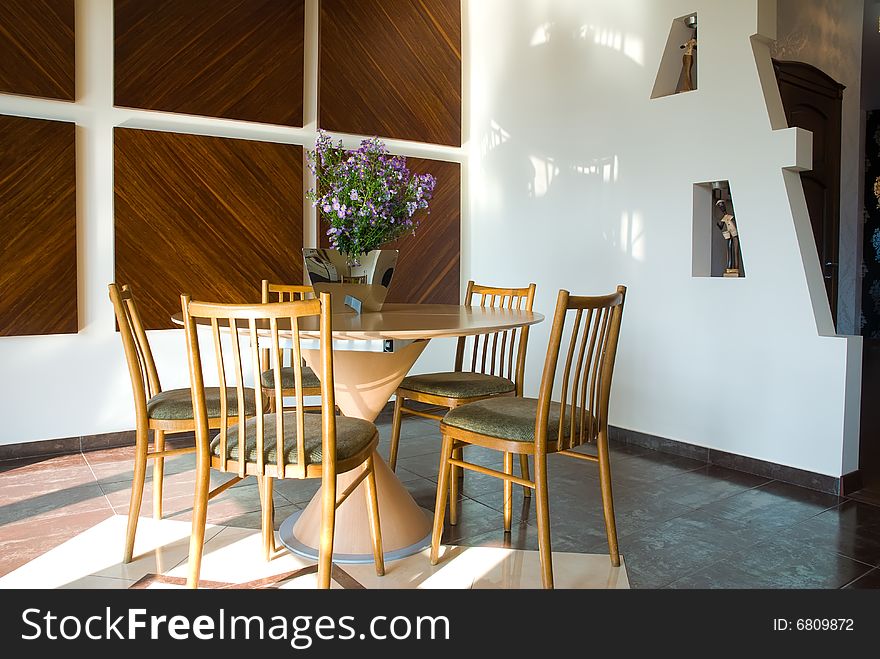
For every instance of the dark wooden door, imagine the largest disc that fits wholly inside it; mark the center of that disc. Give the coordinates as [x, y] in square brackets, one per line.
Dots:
[813, 101]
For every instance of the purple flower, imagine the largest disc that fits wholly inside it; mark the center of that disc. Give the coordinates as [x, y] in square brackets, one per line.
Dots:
[368, 196]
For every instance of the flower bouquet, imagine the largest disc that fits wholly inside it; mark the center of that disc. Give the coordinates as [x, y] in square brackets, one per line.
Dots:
[367, 198]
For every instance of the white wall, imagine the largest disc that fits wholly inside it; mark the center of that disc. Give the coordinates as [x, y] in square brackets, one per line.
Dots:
[579, 180]
[828, 35]
[67, 386]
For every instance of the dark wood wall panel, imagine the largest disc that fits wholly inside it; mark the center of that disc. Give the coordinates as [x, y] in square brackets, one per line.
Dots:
[207, 216]
[429, 265]
[37, 227]
[37, 49]
[392, 69]
[218, 58]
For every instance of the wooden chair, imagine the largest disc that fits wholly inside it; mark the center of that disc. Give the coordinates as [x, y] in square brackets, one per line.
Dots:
[493, 371]
[275, 444]
[310, 382]
[536, 427]
[156, 410]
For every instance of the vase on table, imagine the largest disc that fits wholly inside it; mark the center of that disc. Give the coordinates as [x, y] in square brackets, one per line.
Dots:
[356, 282]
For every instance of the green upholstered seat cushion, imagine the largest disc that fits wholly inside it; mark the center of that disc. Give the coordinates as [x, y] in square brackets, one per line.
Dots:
[506, 418]
[458, 385]
[176, 404]
[352, 436]
[288, 378]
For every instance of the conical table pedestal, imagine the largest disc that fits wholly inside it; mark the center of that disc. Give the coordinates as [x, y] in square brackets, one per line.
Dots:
[364, 381]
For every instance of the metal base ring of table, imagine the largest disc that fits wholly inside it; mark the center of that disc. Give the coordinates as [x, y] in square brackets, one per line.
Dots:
[292, 543]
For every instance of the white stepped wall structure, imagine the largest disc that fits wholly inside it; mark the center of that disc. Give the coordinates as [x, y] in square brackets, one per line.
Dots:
[579, 180]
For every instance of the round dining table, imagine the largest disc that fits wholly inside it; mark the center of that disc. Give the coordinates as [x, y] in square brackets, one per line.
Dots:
[372, 353]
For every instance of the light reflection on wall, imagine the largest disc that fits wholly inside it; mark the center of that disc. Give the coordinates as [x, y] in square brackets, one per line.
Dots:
[541, 35]
[545, 171]
[493, 138]
[632, 235]
[630, 45]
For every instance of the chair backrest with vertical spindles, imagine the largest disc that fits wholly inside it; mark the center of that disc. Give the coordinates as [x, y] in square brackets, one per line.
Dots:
[499, 353]
[585, 334]
[246, 330]
[141, 367]
[283, 293]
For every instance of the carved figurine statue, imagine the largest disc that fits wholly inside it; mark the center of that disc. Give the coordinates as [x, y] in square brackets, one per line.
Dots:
[727, 224]
[686, 81]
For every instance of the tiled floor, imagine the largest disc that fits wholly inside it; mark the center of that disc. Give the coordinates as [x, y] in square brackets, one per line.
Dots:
[233, 556]
[681, 524]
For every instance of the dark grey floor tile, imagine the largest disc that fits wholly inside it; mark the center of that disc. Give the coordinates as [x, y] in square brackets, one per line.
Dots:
[619, 448]
[719, 576]
[634, 514]
[426, 466]
[657, 568]
[409, 429]
[661, 554]
[870, 580]
[851, 529]
[295, 490]
[253, 520]
[405, 475]
[788, 563]
[413, 446]
[583, 521]
[523, 509]
[706, 485]
[525, 536]
[424, 492]
[772, 507]
[474, 519]
[778, 564]
[651, 467]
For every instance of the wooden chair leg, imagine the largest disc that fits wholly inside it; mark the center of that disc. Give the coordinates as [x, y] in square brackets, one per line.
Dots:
[607, 499]
[328, 526]
[442, 493]
[524, 472]
[542, 506]
[395, 431]
[267, 517]
[453, 488]
[137, 490]
[199, 518]
[158, 473]
[373, 514]
[508, 492]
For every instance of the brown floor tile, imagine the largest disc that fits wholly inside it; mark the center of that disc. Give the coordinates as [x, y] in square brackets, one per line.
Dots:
[42, 463]
[117, 465]
[25, 540]
[23, 502]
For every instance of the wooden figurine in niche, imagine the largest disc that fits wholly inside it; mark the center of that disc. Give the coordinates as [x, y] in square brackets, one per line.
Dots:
[686, 80]
[727, 224]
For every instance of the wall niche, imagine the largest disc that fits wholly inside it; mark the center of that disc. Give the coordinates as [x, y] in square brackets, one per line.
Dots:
[678, 66]
[717, 250]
